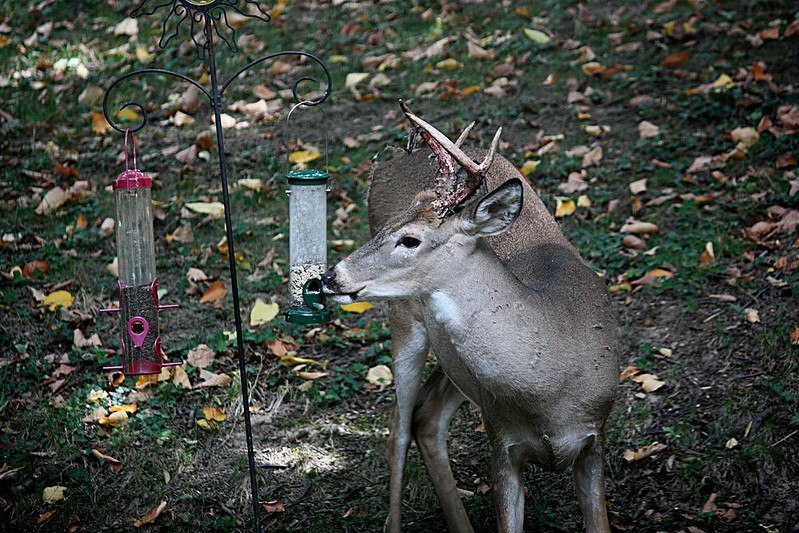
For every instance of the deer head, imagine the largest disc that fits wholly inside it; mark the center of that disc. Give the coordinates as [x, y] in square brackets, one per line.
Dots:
[419, 250]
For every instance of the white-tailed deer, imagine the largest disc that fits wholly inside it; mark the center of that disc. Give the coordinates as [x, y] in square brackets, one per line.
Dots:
[519, 325]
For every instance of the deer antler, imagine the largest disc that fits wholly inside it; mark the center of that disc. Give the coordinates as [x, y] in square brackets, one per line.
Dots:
[454, 185]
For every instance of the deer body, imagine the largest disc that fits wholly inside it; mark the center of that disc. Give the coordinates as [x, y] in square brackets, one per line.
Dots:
[519, 326]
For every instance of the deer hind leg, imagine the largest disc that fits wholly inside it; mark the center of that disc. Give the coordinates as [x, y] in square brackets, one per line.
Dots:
[589, 482]
[409, 347]
[438, 401]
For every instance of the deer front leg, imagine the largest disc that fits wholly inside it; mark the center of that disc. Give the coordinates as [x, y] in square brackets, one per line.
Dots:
[508, 485]
[438, 401]
[589, 482]
[409, 348]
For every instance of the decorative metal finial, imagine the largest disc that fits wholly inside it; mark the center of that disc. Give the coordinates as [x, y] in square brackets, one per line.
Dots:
[200, 13]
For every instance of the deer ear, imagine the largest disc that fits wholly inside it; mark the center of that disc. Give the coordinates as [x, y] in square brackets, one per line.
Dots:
[496, 211]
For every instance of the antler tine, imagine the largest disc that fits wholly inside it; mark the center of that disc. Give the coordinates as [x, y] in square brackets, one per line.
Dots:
[489, 158]
[465, 134]
[460, 157]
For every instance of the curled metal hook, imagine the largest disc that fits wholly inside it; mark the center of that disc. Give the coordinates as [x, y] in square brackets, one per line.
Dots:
[140, 107]
[313, 103]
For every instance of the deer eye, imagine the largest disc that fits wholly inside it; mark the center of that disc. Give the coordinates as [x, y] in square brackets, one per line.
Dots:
[409, 242]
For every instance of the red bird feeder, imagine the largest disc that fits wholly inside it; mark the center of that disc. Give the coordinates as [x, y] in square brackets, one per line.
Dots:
[138, 286]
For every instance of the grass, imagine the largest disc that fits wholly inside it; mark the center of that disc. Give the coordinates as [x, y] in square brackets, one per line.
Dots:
[725, 372]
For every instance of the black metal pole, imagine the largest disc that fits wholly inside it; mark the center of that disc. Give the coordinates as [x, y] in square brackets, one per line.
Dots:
[234, 285]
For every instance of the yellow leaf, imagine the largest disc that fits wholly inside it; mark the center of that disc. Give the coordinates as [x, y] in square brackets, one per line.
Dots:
[751, 315]
[128, 408]
[592, 67]
[722, 83]
[214, 209]
[357, 307]
[293, 361]
[213, 413]
[181, 378]
[304, 156]
[448, 64]
[564, 207]
[205, 424]
[143, 55]
[128, 114]
[471, 90]
[254, 184]
[4, 40]
[311, 375]
[380, 375]
[263, 312]
[144, 381]
[529, 166]
[114, 419]
[99, 124]
[51, 495]
[583, 201]
[58, 299]
[537, 36]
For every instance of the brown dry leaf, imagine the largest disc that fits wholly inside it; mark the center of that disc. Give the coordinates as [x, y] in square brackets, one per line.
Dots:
[200, 357]
[180, 378]
[652, 384]
[751, 315]
[115, 465]
[634, 243]
[274, 506]
[44, 517]
[794, 336]
[708, 255]
[213, 380]
[55, 198]
[638, 186]
[644, 452]
[639, 227]
[81, 342]
[150, 517]
[647, 130]
[592, 157]
[215, 293]
[628, 372]
[278, 348]
[310, 375]
[95, 416]
[651, 277]
[32, 267]
[675, 60]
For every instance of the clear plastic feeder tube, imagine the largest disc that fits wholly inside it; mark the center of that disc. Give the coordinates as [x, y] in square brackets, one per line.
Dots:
[307, 230]
[134, 229]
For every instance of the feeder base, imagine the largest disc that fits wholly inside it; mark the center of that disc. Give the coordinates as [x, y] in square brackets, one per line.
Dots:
[306, 315]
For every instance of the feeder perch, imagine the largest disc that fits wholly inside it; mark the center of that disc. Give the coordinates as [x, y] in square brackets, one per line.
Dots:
[138, 286]
[307, 246]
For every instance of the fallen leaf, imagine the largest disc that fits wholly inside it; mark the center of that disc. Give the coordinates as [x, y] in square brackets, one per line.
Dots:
[651, 384]
[592, 157]
[633, 242]
[380, 375]
[651, 277]
[357, 307]
[215, 293]
[213, 413]
[675, 60]
[254, 184]
[449, 64]
[81, 342]
[213, 209]
[213, 380]
[115, 419]
[794, 336]
[638, 227]
[751, 315]
[292, 360]
[115, 465]
[44, 517]
[58, 299]
[263, 312]
[100, 125]
[274, 506]
[53, 199]
[708, 254]
[564, 207]
[304, 156]
[151, 516]
[639, 186]
[644, 452]
[537, 36]
[745, 137]
[201, 357]
[628, 372]
[128, 26]
[732, 443]
[180, 378]
[310, 375]
[583, 201]
[647, 130]
[529, 167]
[51, 495]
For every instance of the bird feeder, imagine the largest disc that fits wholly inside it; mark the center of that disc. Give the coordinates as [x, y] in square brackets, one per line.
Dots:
[138, 286]
[307, 245]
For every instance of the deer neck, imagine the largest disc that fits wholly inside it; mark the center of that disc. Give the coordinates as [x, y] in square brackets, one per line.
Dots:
[481, 286]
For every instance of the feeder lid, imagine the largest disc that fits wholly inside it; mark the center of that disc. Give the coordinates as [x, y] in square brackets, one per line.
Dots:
[306, 315]
[308, 177]
[132, 179]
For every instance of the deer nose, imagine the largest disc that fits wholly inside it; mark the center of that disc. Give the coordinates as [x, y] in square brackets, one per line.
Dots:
[329, 277]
